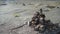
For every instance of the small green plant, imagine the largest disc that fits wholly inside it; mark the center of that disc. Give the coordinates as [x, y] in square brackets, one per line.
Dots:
[16, 15]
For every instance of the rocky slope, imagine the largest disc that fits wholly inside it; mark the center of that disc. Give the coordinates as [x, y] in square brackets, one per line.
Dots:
[8, 13]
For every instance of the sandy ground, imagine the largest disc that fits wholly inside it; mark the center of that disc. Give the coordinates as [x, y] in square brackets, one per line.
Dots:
[8, 19]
